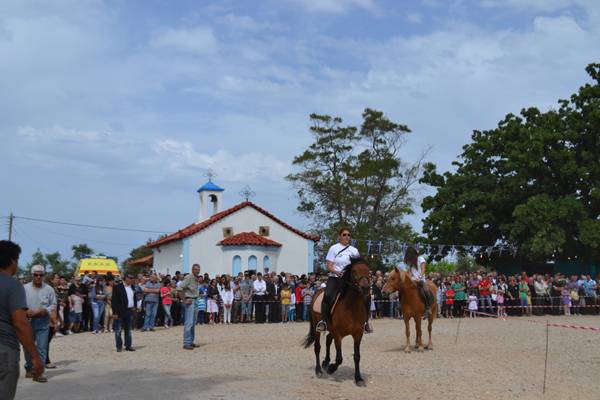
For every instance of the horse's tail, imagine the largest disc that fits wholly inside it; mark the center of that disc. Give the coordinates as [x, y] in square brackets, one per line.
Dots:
[312, 334]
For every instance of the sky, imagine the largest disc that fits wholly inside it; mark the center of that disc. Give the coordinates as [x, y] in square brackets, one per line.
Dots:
[112, 111]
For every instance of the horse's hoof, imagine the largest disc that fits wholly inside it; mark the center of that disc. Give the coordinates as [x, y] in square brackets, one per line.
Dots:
[319, 373]
[361, 383]
[420, 349]
[407, 349]
[331, 369]
[324, 365]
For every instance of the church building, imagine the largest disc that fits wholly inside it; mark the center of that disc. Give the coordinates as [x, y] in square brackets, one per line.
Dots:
[243, 237]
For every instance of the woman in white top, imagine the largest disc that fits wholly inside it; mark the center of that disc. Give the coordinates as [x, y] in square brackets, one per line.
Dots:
[416, 269]
[338, 257]
[227, 297]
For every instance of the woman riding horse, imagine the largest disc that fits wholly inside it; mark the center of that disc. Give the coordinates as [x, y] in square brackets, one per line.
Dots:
[338, 258]
[416, 269]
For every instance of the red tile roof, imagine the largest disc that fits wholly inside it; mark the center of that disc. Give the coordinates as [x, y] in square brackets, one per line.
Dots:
[199, 226]
[248, 239]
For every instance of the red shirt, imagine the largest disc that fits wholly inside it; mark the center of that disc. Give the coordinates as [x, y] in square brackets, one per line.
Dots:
[484, 287]
[298, 294]
[450, 296]
[165, 293]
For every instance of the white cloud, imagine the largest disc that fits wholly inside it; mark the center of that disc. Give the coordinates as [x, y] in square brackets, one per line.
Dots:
[336, 6]
[414, 18]
[198, 40]
[181, 157]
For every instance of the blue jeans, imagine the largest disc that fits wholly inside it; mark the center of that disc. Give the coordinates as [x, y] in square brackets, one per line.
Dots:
[41, 330]
[124, 322]
[189, 332]
[167, 309]
[150, 317]
[305, 312]
[97, 310]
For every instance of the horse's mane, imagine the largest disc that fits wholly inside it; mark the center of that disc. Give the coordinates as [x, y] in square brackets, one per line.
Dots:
[403, 277]
[346, 278]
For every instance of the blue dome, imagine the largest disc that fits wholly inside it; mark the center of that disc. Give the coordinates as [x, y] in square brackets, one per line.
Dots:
[210, 187]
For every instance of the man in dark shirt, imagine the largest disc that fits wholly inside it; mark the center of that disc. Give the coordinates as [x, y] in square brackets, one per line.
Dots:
[14, 326]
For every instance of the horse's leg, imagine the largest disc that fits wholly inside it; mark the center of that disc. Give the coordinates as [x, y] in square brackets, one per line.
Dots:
[357, 377]
[327, 359]
[318, 370]
[419, 341]
[429, 325]
[407, 330]
[338, 356]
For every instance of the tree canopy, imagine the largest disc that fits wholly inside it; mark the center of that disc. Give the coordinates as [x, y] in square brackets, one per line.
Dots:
[354, 176]
[534, 182]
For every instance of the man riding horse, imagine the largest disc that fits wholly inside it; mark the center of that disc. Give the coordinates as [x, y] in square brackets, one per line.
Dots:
[416, 269]
[338, 258]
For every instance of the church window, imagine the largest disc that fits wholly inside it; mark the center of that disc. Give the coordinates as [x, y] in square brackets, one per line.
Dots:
[263, 231]
[227, 232]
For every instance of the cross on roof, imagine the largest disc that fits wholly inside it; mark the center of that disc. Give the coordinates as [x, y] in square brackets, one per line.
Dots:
[210, 174]
[247, 193]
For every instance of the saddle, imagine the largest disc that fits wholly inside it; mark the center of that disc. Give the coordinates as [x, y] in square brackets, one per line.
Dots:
[319, 300]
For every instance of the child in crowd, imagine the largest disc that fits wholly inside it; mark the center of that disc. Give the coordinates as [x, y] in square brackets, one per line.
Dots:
[449, 302]
[76, 307]
[472, 305]
[500, 302]
[286, 295]
[201, 305]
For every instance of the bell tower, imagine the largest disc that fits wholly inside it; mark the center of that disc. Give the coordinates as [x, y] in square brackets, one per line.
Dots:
[211, 197]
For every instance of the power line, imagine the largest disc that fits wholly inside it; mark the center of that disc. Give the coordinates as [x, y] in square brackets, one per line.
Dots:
[113, 228]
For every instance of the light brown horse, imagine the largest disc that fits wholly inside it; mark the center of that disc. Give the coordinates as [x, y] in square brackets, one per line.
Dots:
[412, 305]
[347, 318]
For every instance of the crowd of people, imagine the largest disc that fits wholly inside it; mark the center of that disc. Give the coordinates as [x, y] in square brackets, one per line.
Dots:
[59, 305]
[84, 302]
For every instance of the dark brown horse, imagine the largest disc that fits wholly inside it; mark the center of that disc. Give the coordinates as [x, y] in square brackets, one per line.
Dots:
[412, 305]
[347, 318]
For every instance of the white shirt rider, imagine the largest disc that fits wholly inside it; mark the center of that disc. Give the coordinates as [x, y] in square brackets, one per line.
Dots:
[418, 273]
[340, 255]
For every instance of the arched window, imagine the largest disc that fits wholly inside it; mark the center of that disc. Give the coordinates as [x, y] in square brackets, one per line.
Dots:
[266, 264]
[236, 265]
[252, 262]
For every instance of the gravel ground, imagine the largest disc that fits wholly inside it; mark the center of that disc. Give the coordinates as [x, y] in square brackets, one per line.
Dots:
[493, 359]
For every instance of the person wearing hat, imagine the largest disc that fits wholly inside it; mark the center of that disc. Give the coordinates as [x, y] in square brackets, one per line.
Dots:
[123, 304]
[14, 327]
[41, 303]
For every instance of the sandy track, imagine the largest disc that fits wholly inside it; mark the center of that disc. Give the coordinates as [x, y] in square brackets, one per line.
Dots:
[493, 359]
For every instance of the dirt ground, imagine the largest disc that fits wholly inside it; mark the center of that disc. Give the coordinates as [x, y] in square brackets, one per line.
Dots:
[493, 359]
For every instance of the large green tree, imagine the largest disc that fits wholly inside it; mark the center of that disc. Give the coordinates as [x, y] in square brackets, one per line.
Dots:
[533, 182]
[354, 176]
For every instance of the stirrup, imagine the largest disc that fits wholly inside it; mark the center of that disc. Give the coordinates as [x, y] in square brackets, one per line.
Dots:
[321, 326]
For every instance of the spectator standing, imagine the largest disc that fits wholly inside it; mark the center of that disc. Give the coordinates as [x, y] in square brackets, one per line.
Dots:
[108, 290]
[166, 301]
[460, 296]
[472, 305]
[14, 327]
[189, 293]
[151, 297]
[260, 296]
[237, 300]
[212, 305]
[41, 303]
[307, 295]
[246, 290]
[449, 295]
[97, 298]
[123, 306]
[299, 301]
[227, 303]
[485, 294]
[286, 294]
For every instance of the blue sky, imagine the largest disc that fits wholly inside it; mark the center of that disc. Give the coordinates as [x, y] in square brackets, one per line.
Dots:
[111, 111]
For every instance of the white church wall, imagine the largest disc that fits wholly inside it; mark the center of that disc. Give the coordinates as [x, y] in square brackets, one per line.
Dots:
[203, 247]
[168, 258]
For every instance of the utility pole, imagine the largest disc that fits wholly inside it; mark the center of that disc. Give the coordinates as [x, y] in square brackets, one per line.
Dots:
[11, 217]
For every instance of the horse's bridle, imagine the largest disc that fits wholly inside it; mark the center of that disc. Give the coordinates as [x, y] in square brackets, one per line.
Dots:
[356, 280]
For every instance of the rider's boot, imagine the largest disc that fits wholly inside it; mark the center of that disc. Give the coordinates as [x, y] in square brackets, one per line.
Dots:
[426, 297]
[322, 324]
